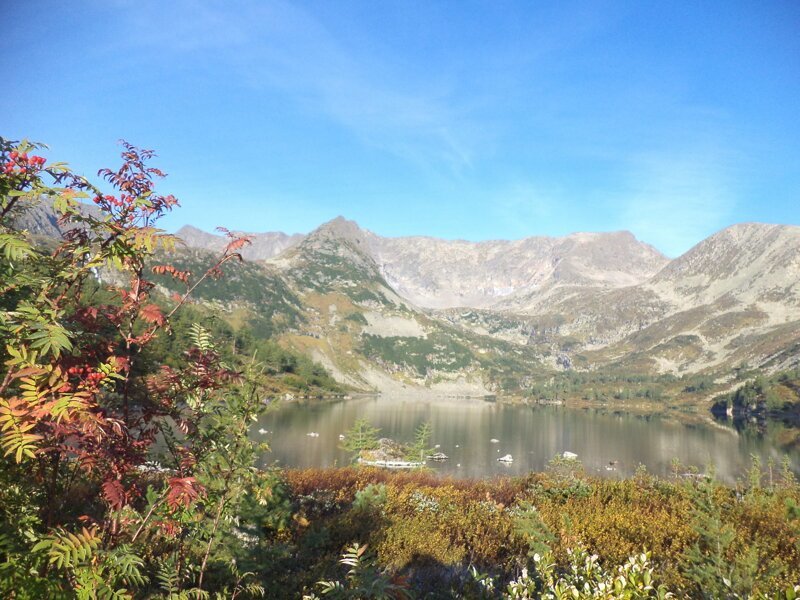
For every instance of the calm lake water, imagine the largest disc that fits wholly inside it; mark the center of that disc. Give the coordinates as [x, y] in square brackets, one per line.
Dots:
[532, 435]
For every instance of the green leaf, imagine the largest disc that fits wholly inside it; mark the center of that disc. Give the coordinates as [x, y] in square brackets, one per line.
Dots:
[14, 247]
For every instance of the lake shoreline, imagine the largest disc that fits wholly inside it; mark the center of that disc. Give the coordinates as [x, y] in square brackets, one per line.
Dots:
[610, 440]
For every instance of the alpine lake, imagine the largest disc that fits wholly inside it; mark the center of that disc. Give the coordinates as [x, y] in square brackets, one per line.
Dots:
[474, 433]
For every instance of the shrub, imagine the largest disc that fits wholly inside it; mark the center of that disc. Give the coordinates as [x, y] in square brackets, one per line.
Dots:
[435, 530]
[83, 511]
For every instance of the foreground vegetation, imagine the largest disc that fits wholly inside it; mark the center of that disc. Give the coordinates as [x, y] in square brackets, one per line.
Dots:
[123, 422]
[455, 538]
[128, 470]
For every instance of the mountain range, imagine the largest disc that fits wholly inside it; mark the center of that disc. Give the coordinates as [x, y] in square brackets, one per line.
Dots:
[460, 317]
[585, 301]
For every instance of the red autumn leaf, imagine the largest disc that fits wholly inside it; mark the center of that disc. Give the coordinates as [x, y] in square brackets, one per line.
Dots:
[121, 363]
[187, 460]
[152, 314]
[115, 494]
[183, 491]
[182, 276]
[236, 244]
[89, 312]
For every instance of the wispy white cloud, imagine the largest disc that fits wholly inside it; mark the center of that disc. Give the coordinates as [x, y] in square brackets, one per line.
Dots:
[671, 198]
[280, 45]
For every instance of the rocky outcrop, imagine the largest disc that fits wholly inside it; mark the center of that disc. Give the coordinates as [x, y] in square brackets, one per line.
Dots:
[40, 219]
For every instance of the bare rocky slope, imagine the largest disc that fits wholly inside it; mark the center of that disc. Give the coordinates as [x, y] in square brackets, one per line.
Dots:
[436, 273]
[445, 274]
[41, 220]
[581, 301]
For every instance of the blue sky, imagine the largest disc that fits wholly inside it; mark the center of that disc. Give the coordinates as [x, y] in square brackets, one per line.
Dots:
[471, 120]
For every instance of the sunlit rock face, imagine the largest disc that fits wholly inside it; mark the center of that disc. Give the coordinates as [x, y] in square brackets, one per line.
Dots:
[436, 273]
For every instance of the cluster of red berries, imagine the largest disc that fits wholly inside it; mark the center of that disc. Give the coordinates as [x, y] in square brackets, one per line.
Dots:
[90, 376]
[19, 162]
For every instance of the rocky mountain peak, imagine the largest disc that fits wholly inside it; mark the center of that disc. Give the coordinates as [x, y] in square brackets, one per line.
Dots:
[338, 228]
[736, 251]
[521, 274]
[733, 298]
[437, 273]
[195, 237]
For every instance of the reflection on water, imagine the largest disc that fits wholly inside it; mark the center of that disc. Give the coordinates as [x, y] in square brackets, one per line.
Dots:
[532, 435]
